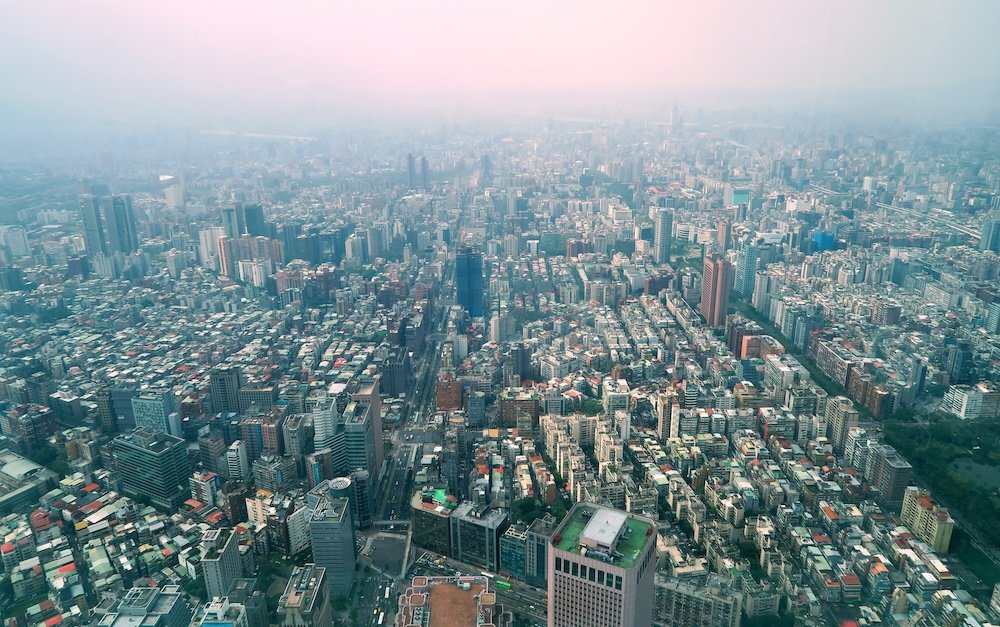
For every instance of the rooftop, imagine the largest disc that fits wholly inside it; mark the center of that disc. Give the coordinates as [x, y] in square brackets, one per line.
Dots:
[593, 526]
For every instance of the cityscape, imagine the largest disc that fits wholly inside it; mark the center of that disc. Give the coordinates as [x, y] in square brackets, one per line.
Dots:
[684, 365]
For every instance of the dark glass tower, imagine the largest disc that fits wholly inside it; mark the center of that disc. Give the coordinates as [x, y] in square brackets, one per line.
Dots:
[469, 281]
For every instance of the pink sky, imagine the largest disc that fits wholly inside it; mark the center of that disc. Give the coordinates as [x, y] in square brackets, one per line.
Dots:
[75, 58]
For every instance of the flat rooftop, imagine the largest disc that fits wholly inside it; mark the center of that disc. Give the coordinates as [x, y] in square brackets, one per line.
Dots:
[631, 534]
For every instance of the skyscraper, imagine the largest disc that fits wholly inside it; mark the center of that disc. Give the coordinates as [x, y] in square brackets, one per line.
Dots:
[716, 282]
[601, 567]
[469, 281]
[253, 220]
[424, 174]
[153, 465]
[332, 532]
[119, 220]
[411, 171]
[224, 383]
[220, 562]
[95, 240]
[157, 409]
[746, 268]
[990, 237]
[662, 235]
[232, 222]
[108, 224]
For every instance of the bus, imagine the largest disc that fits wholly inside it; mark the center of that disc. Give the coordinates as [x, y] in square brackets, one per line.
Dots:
[487, 574]
[502, 584]
[381, 618]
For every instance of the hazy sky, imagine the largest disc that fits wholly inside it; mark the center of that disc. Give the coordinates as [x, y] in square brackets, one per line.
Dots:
[72, 63]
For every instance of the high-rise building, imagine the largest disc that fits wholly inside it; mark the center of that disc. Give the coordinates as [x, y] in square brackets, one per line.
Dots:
[333, 543]
[119, 221]
[305, 600]
[746, 268]
[469, 281]
[232, 222]
[108, 225]
[237, 461]
[153, 465]
[157, 409]
[536, 543]
[840, 416]
[989, 238]
[476, 533]
[220, 561]
[166, 606]
[662, 235]
[411, 171]
[958, 362]
[716, 282]
[424, 174]
[95, 239]
[890, 473]
[927, 520]
[601, 568]
[253, 220]
[224, 383]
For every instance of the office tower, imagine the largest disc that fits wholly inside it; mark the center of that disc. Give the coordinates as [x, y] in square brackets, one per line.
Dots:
[224, 383]
[157, 409]
[536, 543]
[746, 268]
[993, 318]
[363, 444]
[601, 567]
[253, 220]
[662, 235]
[220, 561]
[989, 239]
[332, 532]
[840, 416]
[119, 221]
[430, 519]
[237, 461]
[305, 600]
[152, 466]
[232, 222]
[958, 362]
[361, 493]
[469, 281]
[424, 174]
[512, 551]
[411, 171]
[716, 281]
[95, 239]
[165, 606]
[927, 520]
[325, 423]
[476, 533]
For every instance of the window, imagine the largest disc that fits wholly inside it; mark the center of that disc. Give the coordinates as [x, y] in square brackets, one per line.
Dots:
[575, 569]
[618, 583]
[558, 563]
[600, 577]
[592, 574]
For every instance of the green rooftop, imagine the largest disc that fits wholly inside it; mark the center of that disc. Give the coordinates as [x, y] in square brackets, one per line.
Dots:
[629, 544]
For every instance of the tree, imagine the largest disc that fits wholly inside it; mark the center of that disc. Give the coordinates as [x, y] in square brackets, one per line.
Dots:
[591, 407]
